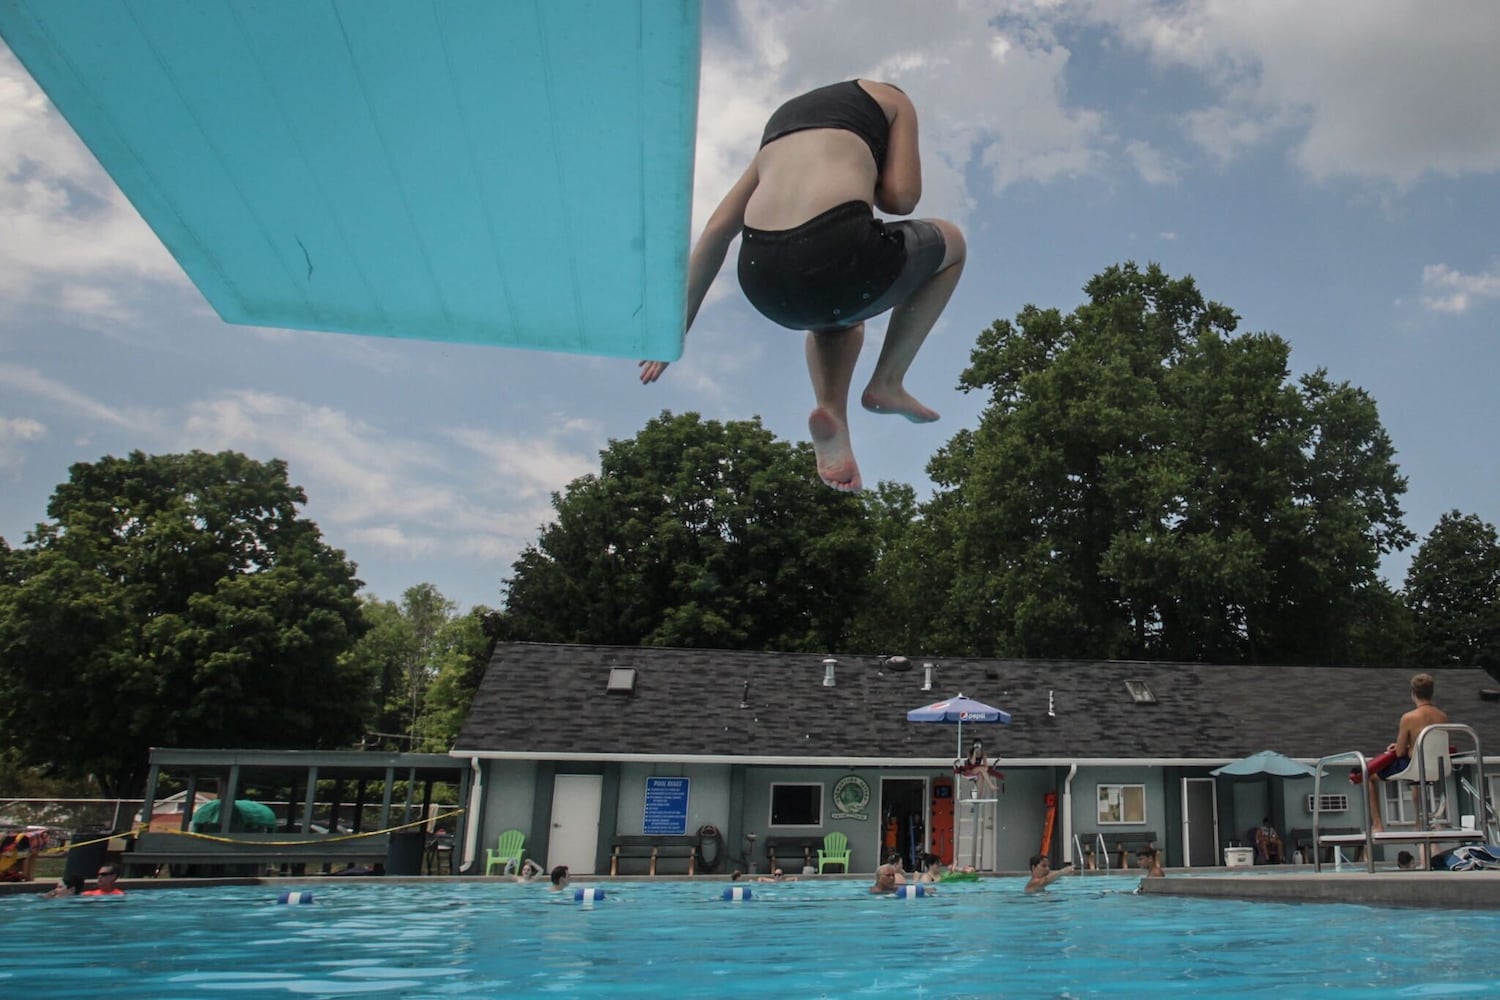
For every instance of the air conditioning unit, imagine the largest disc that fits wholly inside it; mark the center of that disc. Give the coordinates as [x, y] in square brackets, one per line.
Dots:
[1328, 803]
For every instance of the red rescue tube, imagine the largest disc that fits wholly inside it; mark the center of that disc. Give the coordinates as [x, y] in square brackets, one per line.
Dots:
[1376, 764]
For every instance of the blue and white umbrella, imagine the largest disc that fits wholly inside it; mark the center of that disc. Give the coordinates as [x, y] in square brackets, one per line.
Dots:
[959, 710]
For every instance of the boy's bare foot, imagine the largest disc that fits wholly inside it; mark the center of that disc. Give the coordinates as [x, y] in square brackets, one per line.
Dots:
[836, 465]
[897, 400]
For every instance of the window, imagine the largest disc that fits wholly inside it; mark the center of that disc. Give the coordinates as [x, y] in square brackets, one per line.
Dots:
[1122, 804]
[1329, 803]
[1396, 803]
[1140, 692]
[796, 805]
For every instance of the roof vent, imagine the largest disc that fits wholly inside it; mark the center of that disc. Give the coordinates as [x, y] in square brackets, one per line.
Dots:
[828, 666]
[1140, 693]
[928, 668]
[621, 680]
[899, 664]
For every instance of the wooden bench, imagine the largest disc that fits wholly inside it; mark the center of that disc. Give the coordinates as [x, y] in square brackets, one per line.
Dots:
[780, 850]
[653, 849]
[1123, 844]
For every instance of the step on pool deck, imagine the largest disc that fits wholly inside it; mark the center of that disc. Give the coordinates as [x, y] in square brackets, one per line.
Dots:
[1474, 890]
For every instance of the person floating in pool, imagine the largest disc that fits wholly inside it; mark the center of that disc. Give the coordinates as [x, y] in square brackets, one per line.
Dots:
[559, 879]
[109, 883]
[814, 257]
[889, 875]
[776, 876]
[529, 871]
[1150, 862]
[70, 886]
[1042, 874]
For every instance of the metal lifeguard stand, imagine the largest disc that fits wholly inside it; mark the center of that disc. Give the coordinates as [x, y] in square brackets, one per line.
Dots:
[971, 818]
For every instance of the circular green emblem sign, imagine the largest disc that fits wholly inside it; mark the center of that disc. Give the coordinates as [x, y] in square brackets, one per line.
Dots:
[851, 794]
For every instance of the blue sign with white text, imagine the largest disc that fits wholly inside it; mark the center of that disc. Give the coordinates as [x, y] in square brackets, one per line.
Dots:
[666, 806]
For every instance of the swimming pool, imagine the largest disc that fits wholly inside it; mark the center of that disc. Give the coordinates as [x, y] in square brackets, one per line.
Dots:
[1086, 937]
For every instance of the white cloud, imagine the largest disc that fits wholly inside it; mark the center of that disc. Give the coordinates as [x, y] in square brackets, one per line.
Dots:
[67, 234]
[1447, 290]
[1380, 91]
[30, 382]
[398, 494]
[15, 432]
[1151, 163]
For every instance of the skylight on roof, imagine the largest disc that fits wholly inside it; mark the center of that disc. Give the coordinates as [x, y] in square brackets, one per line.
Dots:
[1140, 693]
[621, 680]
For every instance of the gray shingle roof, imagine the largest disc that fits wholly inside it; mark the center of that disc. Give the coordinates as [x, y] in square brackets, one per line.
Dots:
[546, 700]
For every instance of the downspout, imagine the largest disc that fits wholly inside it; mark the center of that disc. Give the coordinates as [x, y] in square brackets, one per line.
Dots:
[1067, 817]
[471, 818]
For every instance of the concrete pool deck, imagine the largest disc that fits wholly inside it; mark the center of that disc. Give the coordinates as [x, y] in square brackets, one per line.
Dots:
[1474, 890]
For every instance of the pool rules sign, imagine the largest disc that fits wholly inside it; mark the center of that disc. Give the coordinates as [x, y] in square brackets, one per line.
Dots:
[666, 806]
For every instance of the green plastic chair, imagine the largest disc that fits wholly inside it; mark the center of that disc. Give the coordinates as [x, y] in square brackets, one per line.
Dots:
[512, 844]
[835, 851]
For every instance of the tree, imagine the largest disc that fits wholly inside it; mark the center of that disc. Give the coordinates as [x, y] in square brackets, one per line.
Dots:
[461, 652]
[1453, 591]
[695, 533]
[425, 663]
[175, 600]
[1146, 483]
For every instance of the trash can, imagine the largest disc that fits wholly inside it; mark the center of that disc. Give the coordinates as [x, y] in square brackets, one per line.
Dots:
[403, 855]
[92, 852]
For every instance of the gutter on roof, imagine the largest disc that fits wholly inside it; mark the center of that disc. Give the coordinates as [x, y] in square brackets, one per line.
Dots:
[806, 761]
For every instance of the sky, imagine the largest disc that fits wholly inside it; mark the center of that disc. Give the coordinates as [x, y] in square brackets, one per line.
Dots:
[1329, 171]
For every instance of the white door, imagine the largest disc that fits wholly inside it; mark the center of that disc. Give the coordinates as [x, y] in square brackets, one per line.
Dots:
[1200, 822]
[574, 840]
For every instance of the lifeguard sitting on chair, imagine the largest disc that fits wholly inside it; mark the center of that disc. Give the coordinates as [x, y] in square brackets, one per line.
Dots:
[979, 770]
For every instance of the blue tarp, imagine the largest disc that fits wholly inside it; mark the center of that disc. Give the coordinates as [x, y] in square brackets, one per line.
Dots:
[514, 173]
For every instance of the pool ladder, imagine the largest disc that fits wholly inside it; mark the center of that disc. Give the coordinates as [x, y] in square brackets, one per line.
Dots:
[1101, 853]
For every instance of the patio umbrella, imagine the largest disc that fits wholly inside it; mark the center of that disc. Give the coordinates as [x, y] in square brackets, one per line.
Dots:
[1266, 764]
[959, 710]
[249, 816]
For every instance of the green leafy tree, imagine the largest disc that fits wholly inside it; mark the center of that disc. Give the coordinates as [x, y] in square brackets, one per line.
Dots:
[1144, 482]
[425, 663]
[175, 600]
[461, 652]
[700, 534]
[1453, 591]
[901, 612]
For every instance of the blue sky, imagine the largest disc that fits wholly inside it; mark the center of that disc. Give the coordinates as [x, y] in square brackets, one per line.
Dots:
[1328, 171]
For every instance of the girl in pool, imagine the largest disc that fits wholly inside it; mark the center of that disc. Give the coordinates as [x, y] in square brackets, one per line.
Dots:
[814, 257]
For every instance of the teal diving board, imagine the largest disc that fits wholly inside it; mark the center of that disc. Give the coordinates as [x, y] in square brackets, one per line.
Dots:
[506, 172]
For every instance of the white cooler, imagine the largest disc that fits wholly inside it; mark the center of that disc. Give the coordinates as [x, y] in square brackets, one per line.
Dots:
[1239, 857]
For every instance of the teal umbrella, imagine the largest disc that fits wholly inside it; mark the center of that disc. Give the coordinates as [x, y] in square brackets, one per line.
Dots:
[1266, 764]
[249, 817]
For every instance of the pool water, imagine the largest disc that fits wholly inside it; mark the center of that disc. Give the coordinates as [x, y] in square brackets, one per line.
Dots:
[1085, 937]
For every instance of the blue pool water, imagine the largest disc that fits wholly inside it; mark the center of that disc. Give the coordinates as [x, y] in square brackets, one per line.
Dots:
[1085, 938]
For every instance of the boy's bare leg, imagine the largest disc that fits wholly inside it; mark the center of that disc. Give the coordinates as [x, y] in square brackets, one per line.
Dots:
[830, 364]
[910, 323]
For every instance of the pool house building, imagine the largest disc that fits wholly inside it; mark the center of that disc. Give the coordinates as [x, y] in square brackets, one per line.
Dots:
[629, 759]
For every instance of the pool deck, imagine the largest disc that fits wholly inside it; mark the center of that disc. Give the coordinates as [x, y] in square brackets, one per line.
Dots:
[1476, 890]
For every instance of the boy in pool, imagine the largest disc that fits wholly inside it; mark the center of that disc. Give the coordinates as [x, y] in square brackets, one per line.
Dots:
[1042, 874]
[814, 257]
